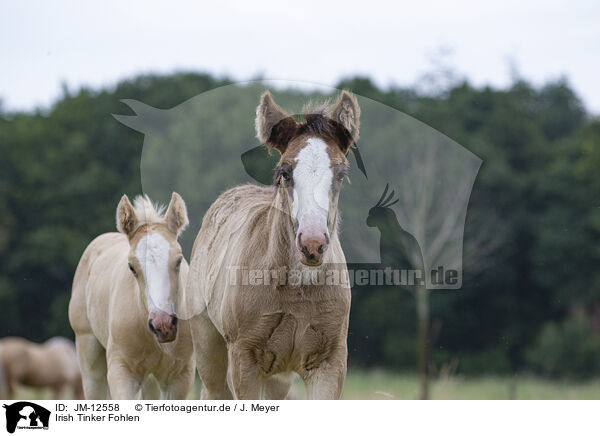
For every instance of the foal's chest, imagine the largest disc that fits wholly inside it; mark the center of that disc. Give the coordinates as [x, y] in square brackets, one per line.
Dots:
[294, 329]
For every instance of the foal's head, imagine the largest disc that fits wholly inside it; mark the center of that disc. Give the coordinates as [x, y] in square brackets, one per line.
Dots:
[313, 165]
[155, 257]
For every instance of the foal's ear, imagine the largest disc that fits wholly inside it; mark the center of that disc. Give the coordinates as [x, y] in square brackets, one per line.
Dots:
[346, 112]
[176, 216]
[274, 127]
[127, 221]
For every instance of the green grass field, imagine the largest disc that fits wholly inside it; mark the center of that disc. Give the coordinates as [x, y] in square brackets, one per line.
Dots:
[380, 385]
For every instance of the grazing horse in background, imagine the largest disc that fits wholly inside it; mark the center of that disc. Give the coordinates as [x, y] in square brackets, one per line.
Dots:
[258, 334]
[122, 306]
[52, 364]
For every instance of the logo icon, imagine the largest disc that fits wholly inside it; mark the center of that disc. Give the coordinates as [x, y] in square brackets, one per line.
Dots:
[26, 415]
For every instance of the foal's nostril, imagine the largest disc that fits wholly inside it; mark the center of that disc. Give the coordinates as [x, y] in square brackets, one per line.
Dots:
[163, 325]
[307, 253]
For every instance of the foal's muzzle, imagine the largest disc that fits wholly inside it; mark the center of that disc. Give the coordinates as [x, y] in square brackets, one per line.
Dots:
[163, 325]
[312, 248]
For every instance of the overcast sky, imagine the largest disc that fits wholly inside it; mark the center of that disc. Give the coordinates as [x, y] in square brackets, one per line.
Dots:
[46, 43]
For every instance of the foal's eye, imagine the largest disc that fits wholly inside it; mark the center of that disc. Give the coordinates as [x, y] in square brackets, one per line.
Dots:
[340, 176]
[284, 171]
[132, 270]
[178, 264]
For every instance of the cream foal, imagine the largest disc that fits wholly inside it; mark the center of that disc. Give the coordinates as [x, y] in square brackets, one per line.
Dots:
[122, 307]
[250, 337]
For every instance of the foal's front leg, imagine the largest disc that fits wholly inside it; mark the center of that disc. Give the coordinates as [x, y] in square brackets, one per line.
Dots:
[179, 387]
[246, 377]
[92, 361]
[123, 384]
[326, 382]
[210, 351]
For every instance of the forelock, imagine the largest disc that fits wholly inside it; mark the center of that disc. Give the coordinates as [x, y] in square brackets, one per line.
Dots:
[148, 212]
[321, 125]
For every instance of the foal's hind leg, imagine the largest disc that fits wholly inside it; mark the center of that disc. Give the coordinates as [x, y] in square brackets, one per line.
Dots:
[92, 360]
[210, 352]
[277, 387]
[150, 389]
[181, 384]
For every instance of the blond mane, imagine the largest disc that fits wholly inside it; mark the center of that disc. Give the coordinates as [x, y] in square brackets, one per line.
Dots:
[148, 212]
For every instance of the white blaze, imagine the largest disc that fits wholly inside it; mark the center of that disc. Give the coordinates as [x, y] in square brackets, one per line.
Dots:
[152, 253]
[312, 181]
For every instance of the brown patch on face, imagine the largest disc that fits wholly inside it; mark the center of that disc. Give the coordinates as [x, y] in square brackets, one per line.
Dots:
[336, 155]
[288, 131]
[339, 123]
[339, 167]
[287, 163]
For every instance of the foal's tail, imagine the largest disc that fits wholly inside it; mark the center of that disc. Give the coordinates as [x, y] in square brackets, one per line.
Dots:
[3, 381]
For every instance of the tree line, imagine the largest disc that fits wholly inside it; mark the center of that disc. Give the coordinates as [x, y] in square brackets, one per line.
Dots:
[532, 304]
